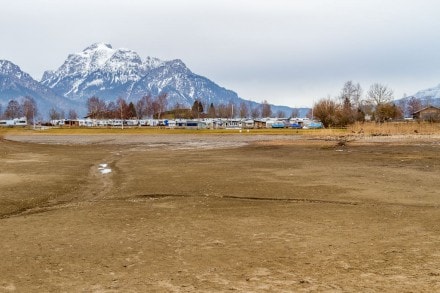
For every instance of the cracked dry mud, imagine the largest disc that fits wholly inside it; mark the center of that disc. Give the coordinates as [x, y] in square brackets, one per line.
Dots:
[185, 213]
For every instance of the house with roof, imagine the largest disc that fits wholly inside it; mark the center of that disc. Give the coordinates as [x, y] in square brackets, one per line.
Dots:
[429, 113]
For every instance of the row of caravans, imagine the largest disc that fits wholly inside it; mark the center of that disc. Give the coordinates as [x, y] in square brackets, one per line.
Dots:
[218, 123]
[13, 122]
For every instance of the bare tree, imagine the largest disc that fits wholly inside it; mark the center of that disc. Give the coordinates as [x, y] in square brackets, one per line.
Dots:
[402, 105]
[326, 111]
[255, 112]
[149, 105]
[351, 92]
[122, 108]
[141, 108]
[159, 105]
[54, 114]
[379, 94]
[96, 107]
[29, 108]
[72, 115]
[112, 111]
[222, 111]
[178, 110]
[13, 110]
[281, 114]
[266, 110]
[244, 110]
[413, 105]
[295, 113]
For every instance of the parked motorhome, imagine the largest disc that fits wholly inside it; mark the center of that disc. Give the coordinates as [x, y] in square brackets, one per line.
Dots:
[191, 124]
[295, 125]
[260, 123]
[314, 125]
[278, 124]
[248, 124]
[14, 122]
[206, 123]
[232, 124]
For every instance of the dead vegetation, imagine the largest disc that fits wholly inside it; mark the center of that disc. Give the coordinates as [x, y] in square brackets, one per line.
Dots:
[394, 128]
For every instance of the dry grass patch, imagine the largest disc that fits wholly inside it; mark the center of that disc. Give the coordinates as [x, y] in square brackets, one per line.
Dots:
[395, 128]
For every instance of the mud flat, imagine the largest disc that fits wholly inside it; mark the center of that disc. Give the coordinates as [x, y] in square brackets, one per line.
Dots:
[210, 213]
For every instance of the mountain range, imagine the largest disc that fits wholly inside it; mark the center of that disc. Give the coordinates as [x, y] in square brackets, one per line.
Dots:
[108, 73]
[15, 84]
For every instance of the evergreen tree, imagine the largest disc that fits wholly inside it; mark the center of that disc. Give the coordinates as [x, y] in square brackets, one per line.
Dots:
[131, 111]
[211, 111]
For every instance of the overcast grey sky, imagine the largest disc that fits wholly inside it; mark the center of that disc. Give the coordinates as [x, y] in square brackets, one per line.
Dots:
[290, 52]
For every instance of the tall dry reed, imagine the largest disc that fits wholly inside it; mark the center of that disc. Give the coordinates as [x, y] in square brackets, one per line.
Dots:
[395, 128]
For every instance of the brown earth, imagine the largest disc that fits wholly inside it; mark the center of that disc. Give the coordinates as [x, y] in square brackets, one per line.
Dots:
[215, 213]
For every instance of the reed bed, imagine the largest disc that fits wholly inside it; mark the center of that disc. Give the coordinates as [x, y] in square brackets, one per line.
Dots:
[394, 128]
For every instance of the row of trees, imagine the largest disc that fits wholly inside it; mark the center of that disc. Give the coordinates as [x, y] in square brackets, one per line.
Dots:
[147, 106]
[27, 107]
[351, 105]
[157, 107]
[231, 110]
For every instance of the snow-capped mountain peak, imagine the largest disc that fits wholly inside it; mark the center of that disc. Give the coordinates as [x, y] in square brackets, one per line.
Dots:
[108, 73]
[9, 68]
[99, 68]
[430, 93]
[103, 71]
[96, 46]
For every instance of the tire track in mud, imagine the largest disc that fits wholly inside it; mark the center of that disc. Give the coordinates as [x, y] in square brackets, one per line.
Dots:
[299, 200]
[158, 196]
[155, 196]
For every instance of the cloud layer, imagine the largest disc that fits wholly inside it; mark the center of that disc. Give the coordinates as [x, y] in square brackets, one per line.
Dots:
[289, 52]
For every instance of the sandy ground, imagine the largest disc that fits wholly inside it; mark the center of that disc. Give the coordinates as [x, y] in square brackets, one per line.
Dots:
[216, 213]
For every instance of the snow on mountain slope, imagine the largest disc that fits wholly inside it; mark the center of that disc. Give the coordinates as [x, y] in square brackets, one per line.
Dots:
[16, 84]
[433, 93]
[98, 70]
[111, 73]
[108, 73]
[430, 96]
[182, 86]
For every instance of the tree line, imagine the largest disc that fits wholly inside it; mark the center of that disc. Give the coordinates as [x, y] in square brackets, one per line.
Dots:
[157, 107]
[27, 107]
[351, 105]
[147, 106]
